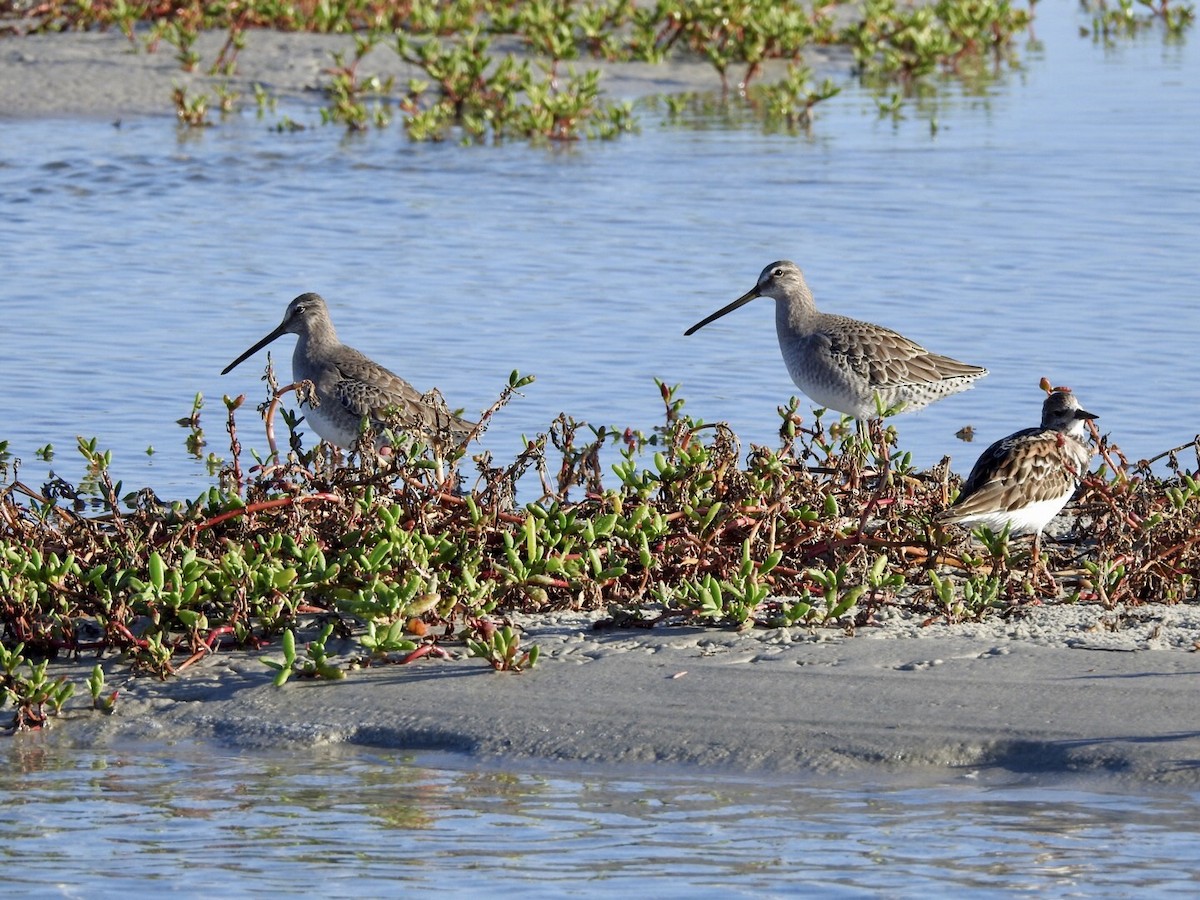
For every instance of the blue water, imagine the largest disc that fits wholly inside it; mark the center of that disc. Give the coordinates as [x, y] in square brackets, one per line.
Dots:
[1050, 226]
[345, 821]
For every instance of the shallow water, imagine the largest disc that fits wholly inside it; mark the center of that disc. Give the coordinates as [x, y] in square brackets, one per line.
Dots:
[1048, 226]
[350, 821]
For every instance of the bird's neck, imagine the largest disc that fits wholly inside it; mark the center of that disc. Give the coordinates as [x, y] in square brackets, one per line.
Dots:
[1075, 429]
[316, 339]
[797, 313]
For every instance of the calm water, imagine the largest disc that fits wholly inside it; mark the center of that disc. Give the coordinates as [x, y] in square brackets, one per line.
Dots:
[1050, 227]
[350, 822]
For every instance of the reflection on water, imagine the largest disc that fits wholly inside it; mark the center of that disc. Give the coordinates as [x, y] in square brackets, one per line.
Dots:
[350, 821]
[1047, 227]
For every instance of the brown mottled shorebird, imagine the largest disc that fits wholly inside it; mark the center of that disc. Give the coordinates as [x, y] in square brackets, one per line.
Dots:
[351, 387]
[844, 364]
[1025, 479]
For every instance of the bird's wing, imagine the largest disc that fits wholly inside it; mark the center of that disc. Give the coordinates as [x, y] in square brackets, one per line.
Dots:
[1026, 467]
[365, 388]
[887, 358]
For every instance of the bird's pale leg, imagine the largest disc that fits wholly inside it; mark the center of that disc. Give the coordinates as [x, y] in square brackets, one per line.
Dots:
[857, 455]
[1037, 568]
[879, 444]
[439, 466]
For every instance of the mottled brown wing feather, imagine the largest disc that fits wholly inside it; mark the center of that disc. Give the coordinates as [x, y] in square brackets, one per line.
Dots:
[887, 358]
[366, 388]
[1028, 466]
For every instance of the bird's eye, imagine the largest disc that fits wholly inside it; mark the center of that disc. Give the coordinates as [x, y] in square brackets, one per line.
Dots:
[778, 273]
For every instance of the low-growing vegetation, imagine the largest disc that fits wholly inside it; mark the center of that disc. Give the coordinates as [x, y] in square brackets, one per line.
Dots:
[1112, 19]
[410, 555]
[422, 554]
[483, 71]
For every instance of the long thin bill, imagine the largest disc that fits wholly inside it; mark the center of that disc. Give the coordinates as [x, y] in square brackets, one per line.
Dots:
[739, 302]
[270, 337]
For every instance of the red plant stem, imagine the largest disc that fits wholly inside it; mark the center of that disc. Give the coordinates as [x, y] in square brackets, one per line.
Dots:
[128, 635]
[511, 518]
[217, 633]
[195, 657]
[235, 447]
[423, 651]
[269, 504]
[269, 418]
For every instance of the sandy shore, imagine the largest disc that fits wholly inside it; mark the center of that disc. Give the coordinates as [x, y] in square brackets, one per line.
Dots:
[1060, 690]
[97, 74]
[105, 75]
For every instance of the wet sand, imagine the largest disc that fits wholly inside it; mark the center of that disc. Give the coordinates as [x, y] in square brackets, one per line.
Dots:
[1068, 689]
[105, 75]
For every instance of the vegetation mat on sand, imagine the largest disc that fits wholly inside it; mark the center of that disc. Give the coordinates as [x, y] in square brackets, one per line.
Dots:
[409, 555]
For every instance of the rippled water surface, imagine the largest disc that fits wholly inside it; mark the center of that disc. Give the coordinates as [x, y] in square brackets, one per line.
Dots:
[349, 822]
[1049, 226]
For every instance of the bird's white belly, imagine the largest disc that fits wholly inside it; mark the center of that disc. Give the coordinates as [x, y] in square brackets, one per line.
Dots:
[827, 388]
[332, 428]
[1026, 520]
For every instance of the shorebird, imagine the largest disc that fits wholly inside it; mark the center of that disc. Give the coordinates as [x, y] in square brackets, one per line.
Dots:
[351, 387]
[1025, 479]
[844, 364]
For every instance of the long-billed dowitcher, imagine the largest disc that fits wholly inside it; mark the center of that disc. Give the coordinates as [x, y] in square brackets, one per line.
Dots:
[1025, 479]
[844, 364]
[349, 386]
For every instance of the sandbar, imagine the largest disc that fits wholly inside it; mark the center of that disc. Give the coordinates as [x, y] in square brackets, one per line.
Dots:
[1049, 690]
